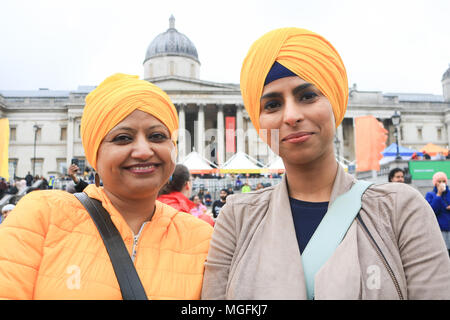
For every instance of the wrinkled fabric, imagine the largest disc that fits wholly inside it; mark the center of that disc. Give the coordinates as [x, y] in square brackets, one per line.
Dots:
[308, 55]
[51, 249]
[116, 98]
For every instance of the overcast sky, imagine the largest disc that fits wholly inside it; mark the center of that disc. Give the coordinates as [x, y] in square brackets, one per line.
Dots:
[388, 46]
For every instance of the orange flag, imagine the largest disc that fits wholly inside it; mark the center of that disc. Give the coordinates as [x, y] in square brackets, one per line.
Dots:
[4, 145]
[370, 141]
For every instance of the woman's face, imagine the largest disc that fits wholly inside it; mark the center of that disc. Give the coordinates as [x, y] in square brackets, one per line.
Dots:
[439, 181]
[298, 120]
[136, 157]
[196, 200]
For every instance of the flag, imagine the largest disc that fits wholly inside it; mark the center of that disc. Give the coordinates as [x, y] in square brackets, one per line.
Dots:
[4, 145]
[370, 141]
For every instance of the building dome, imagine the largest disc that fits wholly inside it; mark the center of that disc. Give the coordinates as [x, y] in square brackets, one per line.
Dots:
[446, 74]
[171, 43]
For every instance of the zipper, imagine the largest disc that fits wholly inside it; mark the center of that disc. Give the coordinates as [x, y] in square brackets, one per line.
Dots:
[381, 256]
[135, 242]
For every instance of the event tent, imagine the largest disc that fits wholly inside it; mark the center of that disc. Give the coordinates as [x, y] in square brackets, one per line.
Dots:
[390, 153]
[391, 150]
[433, 149]
[276, 166]
[241, 163]
[197, 164]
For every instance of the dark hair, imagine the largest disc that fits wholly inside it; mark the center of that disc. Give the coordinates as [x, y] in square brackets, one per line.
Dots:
[180, 176]
[224, 190]
[393, 172]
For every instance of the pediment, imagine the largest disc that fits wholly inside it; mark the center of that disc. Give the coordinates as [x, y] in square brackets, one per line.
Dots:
[179, 84]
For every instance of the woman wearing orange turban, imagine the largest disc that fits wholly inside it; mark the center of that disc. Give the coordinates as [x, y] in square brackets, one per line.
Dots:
[320, 233]
[51, 248]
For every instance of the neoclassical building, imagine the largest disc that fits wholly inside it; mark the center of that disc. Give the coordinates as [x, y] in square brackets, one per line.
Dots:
[45, 124]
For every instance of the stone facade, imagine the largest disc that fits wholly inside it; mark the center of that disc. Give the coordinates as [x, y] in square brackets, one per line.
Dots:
[45, 124]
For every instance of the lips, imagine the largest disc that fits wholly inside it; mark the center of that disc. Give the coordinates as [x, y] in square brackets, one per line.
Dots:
[142, 168]
[298, 137]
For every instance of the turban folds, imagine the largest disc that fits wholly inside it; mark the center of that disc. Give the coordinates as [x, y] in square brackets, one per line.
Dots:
[115, 99]
[305, 53]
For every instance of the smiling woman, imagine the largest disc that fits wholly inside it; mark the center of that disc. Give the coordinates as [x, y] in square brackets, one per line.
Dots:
[51, 248]
[320, 233]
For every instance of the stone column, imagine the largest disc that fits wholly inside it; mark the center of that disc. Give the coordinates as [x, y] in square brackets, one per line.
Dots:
[69, 146]
[220, 136]
[240, 129]
[181, 133]
[201, 130]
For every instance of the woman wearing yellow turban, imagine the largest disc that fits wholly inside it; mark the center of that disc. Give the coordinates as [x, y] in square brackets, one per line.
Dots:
[320, 233]
[51, 248]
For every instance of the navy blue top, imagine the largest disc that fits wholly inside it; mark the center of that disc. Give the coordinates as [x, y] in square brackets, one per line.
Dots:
[307, 217]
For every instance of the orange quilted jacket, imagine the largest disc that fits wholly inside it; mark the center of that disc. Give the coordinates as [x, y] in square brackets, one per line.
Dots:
[51, 249]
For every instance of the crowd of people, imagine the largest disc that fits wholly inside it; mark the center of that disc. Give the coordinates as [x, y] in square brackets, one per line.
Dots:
[318, 234]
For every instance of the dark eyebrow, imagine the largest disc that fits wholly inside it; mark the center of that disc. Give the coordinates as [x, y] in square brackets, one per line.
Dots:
[301, 88]
[271, 95]
[294, 91]
[132, 130]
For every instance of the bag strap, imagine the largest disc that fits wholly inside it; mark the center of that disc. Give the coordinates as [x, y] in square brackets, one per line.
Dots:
[330, 232]
[126, 274]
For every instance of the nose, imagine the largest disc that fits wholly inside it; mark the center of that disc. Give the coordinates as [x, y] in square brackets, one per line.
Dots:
[292, 114]
[142, 148]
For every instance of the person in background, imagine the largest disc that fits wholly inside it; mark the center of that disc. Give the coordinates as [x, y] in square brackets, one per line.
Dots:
[207, 198]
[199, 208]
[5, 211]
[177, 190]
[50, 246]
[439, 200]
[219, 203]
[396, 175]
[80, 184]
[246, 188]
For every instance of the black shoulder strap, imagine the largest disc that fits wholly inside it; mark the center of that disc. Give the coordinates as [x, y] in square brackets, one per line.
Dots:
[129, 282]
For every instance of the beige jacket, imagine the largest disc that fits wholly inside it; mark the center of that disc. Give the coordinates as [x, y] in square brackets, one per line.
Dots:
[254, 253]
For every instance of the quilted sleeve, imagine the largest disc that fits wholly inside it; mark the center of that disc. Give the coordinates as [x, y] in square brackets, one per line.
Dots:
[22, 236]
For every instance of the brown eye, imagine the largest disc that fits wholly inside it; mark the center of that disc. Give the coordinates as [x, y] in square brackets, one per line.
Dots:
[272, 105]
[122, 139]
[157, 137]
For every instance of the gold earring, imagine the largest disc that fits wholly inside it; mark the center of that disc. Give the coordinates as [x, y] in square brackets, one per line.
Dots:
[97, 180]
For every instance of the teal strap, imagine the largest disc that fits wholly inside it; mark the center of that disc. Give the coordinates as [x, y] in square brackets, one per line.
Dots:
[330, 232]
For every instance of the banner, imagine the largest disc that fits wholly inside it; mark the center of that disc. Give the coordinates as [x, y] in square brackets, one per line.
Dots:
[370, 141]
[230, 134]
[424, 170]
[4, 145]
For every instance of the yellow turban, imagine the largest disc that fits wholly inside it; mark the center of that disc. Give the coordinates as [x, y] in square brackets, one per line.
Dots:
[305, 53]
[116, 98]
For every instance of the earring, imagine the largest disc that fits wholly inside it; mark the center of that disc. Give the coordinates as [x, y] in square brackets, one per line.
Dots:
[97, 180]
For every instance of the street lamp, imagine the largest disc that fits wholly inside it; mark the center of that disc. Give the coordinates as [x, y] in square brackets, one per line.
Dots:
[36, 128]
[396, 121]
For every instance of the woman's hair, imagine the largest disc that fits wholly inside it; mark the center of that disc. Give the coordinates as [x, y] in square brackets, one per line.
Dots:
[438, 176]
[393, 172]
[180, 176]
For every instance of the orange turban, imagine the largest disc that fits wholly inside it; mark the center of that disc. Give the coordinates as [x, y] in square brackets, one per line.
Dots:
[305, 53]
[116, 98]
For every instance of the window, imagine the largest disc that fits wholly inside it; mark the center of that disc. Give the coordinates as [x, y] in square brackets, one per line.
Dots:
[150, 70]
[12, 168]
[12, 134]
[439, 133]
[37, 166]
[171, 68]
[419, 133]
[61, 165]
[63, 135]
[192, 70]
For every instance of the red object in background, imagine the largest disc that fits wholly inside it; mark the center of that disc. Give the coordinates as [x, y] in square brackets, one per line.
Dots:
[230, 134]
